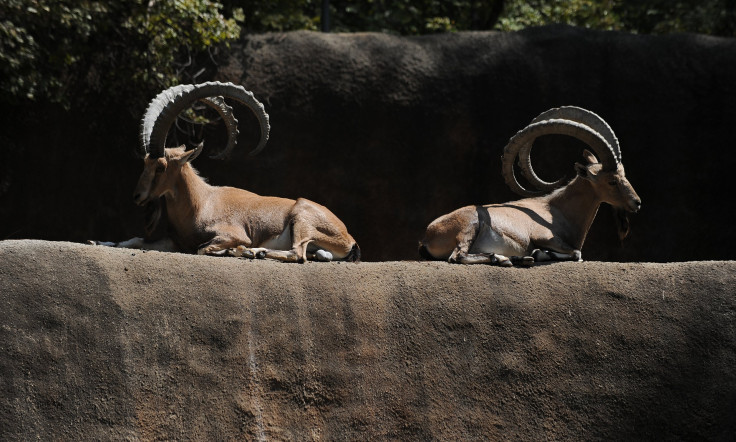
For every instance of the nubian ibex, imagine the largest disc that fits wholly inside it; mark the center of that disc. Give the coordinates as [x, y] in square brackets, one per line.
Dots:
[552, 222]
[216, 220]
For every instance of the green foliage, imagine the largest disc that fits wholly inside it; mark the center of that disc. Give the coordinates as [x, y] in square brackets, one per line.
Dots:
[70, 50]
[275, 15]
[170, 31]
[407, 17]
[35, 43]
[715, 17]
[520, 14]
[411, 17]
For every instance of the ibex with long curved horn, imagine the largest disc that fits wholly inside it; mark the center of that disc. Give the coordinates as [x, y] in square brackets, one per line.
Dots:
[224, 220]
[545, 225]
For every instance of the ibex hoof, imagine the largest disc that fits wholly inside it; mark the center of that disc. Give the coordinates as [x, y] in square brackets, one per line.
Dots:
[457, 258]
[502, 261]
[523, 261]
[246, 252]
[235, 251]
[323, 255]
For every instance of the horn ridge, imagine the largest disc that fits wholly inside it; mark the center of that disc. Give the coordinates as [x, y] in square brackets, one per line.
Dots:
[584, 116]
[231, 123]
[166, 106]
[524, 139]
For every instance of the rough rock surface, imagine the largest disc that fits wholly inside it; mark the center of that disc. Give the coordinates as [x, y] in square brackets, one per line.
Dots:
[100, 344]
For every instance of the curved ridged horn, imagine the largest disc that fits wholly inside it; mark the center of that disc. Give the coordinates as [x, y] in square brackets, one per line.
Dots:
[163, 110]
[231, 124]
[572, 113]
[597, 143]
[584, 116]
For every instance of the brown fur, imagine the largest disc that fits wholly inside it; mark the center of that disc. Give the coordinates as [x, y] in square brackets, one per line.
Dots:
[557, 222]
[213, 220]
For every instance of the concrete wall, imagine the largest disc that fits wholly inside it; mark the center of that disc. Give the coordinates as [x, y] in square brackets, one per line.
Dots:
[101, 344]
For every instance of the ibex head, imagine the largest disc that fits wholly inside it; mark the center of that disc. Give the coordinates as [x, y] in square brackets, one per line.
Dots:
[611, 186]
[160, 165]
[602, 168]
[160, 174]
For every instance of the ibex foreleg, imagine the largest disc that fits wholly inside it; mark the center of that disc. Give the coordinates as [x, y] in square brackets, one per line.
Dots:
[549, 255]
[161, 245]
[279, 255]
[555, 249]
[481, 258]
[225, 240]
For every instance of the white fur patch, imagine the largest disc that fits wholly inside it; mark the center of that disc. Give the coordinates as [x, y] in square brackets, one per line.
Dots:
[489, 241]
[323, 255]
[280, 242]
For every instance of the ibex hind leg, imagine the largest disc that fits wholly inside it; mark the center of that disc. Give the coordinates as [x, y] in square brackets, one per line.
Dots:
[310, 243]
[317, 234]
[319, 255]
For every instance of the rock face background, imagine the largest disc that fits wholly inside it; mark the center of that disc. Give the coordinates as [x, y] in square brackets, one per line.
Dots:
[101, 344]
[392, 132]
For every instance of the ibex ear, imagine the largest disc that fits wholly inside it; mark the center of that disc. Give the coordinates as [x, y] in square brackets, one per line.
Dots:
[192, 154]
[589, 157]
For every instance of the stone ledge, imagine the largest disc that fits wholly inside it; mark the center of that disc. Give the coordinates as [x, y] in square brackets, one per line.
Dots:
[102, 343]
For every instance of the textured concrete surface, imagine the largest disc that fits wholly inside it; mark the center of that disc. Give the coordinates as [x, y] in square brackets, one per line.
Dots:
[100, 344]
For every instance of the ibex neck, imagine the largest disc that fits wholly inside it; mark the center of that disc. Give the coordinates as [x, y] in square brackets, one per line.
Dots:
[187, 198]
[578, 203]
